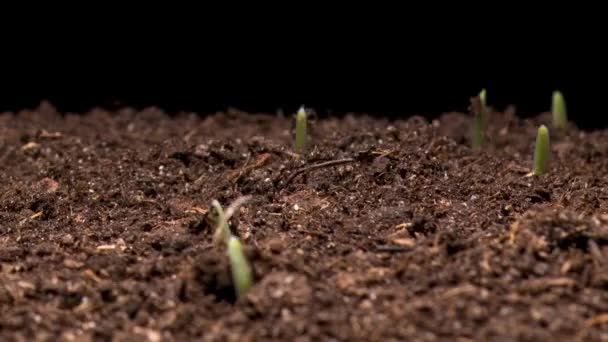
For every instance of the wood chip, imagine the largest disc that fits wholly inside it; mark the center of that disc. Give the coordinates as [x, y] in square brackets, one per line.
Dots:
[404, 225]
[597, 320]
[50, 135]
[151, 335]
[121, 244]
[404, 242]
[36, 215]
[91, 275]
[71, 263]
[466, 289]
[30, 146]
[197, 210]
[26, 285]
[542, 284]
[106, 247]
[84, 306]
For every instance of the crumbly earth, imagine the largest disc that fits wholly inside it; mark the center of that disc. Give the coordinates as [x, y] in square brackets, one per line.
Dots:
[106, 229]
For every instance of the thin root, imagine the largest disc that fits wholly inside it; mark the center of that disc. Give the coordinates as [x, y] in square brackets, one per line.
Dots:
[317, 166]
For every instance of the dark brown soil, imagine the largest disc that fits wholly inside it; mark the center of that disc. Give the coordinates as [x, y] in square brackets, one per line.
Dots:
[106, 229]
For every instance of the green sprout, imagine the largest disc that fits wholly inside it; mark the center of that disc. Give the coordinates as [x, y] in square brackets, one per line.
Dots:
[482, 98]
[558, 109]
[479, 107]
[242, 277]
[542, 151]
[241, 270]
[222, 233]
[300, 129]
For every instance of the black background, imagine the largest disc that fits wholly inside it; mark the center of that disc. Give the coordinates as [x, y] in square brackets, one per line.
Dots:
[393, 71]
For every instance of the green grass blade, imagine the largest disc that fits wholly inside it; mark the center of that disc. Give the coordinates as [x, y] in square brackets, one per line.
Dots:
[222, 230]
[479, 108]
[300, 130]
[542, 151]
[242, 276]
[482, 98]
[559, 112]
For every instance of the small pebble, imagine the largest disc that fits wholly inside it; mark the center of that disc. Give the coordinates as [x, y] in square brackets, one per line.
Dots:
[71, 263]
[276, 245]
[67, 240]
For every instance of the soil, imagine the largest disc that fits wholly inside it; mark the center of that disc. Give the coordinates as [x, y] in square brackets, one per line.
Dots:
[106, 229]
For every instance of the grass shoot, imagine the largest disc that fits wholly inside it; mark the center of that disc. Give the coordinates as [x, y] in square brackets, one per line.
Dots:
[542, 151]
[300, 130]
[222, 232]
[479, 108]
[482, 98]
[558, 110]
[242, 277]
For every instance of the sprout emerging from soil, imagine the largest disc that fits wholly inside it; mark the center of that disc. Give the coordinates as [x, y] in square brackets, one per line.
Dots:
[222, 232]
[541, 152]
[241, 270]
[482, 98]
[242, 278]
[300, 129]
[479, 107]
[558, 109]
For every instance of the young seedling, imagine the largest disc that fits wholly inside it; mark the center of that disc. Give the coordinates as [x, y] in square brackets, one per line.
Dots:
[222, 230]
[542, 151]
[479, 107]
[242, 277]
[558, 109]
[300, 129]
[482, 98]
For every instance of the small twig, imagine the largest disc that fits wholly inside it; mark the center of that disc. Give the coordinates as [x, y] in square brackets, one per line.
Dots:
[590, 323]
[391, 248]
[235, 175]
[317, 166]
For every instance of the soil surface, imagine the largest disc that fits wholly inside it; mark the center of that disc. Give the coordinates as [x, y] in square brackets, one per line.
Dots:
[106, 229]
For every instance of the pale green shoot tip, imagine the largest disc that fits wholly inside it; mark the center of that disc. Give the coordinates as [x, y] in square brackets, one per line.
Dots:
[542, 151]
[242, 276]
[479, 107]
[300, 129]
[222, 231]
[558, 110]
[482, 98]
